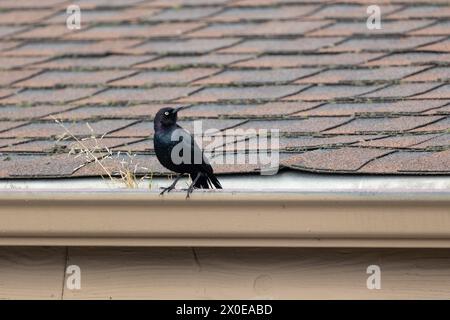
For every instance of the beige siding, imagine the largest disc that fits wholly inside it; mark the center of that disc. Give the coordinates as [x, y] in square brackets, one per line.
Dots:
[214, 273]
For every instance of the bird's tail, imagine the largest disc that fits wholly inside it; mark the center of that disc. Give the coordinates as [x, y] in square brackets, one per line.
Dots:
[208, 181]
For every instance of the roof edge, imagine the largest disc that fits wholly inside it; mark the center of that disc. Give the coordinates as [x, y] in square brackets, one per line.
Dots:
[225, 219]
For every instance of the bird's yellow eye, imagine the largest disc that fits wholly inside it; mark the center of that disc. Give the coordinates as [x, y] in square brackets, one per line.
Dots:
[166, 113]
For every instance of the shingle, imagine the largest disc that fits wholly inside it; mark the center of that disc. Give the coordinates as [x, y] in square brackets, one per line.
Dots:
[72, 78]
[107, 62]
[349, 11]
[410, 58]
[134, 31]
[280, 45]
[105, 15]
[112, 112]
[434, 74]
[362, 97]
[357, 75]
[392, 107]
[242, 93]
[64, 146]
[305, 142]
[30, 4]
[246, 110]
[24, 17]
[441, 92]
[287, 61]
[441, 28]
[140, 165]
[58, 47]
[145, 129]
[261, 13]
[184, 14]
[441, 140]
[50, 95]
[345, 28]
[147, 78]
[395, 142]
[266, 29]
[185, 46]
[7, 62]
[410, 162]
[17, 112]
[382, 44]
[441, 125]
[332, 92]
[39, 166]
[139, 95]
[371, 125]
[296, 126]
[11, 76]
[5, 126]
[258, 76]
[402, 90]
[53, 129]
[442, 46]
[344, 159]
[175, 62]
[44, 32]
[422, 11]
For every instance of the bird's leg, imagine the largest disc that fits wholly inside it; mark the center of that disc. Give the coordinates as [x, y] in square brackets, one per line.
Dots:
[191, 187]
[172, 186]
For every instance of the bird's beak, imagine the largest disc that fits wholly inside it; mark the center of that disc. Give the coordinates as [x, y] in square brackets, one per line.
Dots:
[178, 109]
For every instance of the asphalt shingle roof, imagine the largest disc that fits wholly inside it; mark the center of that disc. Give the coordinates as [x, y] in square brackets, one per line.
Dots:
[346, 99]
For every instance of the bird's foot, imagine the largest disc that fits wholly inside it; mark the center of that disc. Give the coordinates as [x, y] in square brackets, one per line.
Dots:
[188, 192]
[166, 189]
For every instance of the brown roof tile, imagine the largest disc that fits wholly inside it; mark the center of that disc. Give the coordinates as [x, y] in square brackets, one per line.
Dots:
[388, 108]
[358, 28]
[72, 78]
[439, 92]
[441, 125]
[242, 93]
[148, 78]
[357, 75]
[175, 62]
[117, 95]
[409, 58]
[296, 126]
[49, 95]
[371, 125]
[264, 110]
[408, 162]
[402, 90]
[106, 62]
[134, 31]
[188, 46]
[345, 98]
[258, 76]
[286, 61]
[281, 45]
[332, 92]
[42, 166]
[344, 159]
[53, 129]
[382, 44]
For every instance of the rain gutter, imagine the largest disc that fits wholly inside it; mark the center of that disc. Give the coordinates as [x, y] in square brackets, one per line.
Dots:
[299, 210]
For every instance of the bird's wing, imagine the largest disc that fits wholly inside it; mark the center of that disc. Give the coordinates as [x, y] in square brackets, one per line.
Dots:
[188, 143]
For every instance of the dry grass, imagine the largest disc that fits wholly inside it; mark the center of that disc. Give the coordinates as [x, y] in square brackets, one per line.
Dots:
[118, 167]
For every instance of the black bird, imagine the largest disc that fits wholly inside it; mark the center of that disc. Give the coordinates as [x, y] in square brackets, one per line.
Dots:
[172, 143]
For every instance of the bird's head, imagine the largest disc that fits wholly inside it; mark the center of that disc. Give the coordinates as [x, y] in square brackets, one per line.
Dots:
[167, 116]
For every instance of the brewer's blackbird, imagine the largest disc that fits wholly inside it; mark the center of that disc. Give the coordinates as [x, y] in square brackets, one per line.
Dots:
[177, 151]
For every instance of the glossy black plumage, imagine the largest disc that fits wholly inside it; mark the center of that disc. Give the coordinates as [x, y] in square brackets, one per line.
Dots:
[171, 142]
